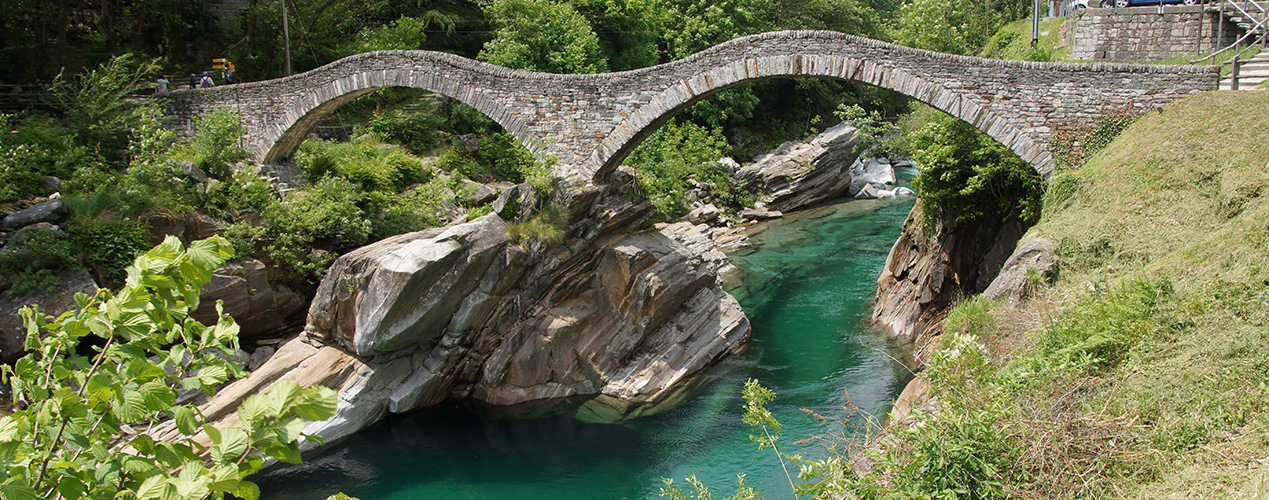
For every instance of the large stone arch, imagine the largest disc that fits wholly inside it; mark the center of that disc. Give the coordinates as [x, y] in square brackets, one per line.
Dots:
[643, 122]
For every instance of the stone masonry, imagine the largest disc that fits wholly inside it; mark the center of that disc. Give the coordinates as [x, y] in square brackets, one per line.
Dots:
[1141, 34]
[590, 123]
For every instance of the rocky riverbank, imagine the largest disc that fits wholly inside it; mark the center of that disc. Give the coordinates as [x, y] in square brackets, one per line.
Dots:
[615, 314]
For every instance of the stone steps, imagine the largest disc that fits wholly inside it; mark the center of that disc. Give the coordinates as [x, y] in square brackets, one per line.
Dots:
[1251, 73]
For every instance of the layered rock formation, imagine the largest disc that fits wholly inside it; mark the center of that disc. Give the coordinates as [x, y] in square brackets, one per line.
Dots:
[925, 272]
[622, 317]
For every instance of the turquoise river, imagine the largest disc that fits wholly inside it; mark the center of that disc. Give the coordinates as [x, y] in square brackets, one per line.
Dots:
[807, 287]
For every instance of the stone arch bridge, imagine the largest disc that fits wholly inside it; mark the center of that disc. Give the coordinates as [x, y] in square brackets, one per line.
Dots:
[590, 123]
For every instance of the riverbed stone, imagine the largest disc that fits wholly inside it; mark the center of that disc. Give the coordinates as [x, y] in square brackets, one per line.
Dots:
[799, 174]
[54, 302]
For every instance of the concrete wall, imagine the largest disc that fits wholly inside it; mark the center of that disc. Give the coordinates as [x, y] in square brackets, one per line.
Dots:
[1145, 34]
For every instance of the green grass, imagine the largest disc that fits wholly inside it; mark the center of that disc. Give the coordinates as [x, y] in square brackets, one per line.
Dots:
[1221, 58]
[1143, 374]
[1180, 197]
[1013, 41]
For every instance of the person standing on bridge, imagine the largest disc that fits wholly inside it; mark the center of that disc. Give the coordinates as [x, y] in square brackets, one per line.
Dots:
[193, 81]
[161, 85]
[206, 82]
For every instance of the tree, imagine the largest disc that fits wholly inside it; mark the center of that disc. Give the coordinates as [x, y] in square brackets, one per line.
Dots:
[955, 27]
[968, 177]
[542, 35]
[80, 429]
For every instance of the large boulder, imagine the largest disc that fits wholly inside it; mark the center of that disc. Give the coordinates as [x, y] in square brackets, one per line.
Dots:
[926, 271]
[1032, 260]
[801, 174]
[621, 316]
[54, 302]
[403, 291]
[53, 211]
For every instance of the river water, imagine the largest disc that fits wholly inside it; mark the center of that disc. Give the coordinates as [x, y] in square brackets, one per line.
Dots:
[807, 289]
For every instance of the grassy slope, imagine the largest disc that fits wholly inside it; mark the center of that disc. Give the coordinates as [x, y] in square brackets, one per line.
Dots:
[1181, 197]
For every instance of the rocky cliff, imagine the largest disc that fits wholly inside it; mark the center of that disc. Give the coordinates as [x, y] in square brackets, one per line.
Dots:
[926, 271]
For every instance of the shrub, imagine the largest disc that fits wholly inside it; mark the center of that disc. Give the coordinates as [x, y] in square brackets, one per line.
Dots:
[372, 166]
[413, 210]
[1100, 328]
[412, 127]
[1072, 148]
[676, 155]
[326, 212]
[31, 260]
[216, 143]
[544, 227]
[108, 245]
[33, 147]
[239, 192]
[967, 177]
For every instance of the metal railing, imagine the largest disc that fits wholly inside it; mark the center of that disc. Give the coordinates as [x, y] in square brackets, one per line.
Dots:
[1257, 30]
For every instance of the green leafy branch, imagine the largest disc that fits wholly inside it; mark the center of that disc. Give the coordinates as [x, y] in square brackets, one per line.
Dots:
[85, 425]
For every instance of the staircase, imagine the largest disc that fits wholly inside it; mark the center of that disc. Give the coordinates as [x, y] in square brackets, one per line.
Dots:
[1255, 8]
[1251, 73]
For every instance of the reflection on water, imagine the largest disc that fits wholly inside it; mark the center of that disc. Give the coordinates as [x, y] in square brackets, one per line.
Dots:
[807, 288]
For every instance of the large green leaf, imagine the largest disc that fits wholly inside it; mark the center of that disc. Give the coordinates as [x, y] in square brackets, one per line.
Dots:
[158, 396]
[129, 406]
[185, 419]
[70, 487]
[156, 487]
[15, 490]
[319, 403]
[233, 443]
[285, 452]
[247, 490]
[9, 429]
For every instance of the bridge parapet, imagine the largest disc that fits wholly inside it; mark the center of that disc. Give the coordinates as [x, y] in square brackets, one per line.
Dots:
[590, 123]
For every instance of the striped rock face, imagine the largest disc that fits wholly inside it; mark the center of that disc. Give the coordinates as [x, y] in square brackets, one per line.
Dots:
[588, 124]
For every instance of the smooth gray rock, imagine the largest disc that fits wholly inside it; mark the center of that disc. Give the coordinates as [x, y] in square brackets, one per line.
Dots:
[760, 214]
[706, 214]
[53, 211]
[1034, 255]
[867, 192]
[477, 192]
[799, 174]
[259, 307]
[403, 290]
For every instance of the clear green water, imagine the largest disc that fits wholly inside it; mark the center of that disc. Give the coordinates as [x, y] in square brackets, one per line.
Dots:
[807, 289]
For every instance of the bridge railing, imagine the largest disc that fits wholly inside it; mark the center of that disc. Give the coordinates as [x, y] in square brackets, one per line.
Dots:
[1256, 23]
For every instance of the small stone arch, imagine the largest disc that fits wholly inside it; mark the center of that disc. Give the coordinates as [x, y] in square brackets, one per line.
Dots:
[325, 89]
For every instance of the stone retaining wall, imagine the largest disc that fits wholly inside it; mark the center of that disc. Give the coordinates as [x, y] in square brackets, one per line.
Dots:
[1145, 34]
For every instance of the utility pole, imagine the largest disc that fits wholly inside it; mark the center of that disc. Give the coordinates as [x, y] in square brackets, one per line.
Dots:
[1035, 23]
[286, 34]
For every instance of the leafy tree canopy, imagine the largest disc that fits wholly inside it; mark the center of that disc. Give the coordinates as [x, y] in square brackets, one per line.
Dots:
[542, 35]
